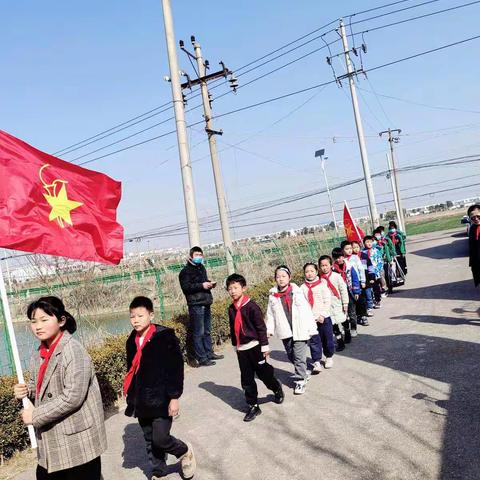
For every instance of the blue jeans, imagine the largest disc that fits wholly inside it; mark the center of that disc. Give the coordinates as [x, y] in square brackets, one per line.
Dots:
[315, 345]
[327, 343]
[201, 323]
[369, 297]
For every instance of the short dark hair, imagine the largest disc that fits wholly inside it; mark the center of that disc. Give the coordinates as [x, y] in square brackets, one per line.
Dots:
[284, 268]
[337, 252]
[381, 228]
[325, 257]
[471, 208]
[377, 230]
[367, 237]
[195, 249]
[345, 243]
[310, 264]
[236, 278]
[140, 301]
[392, 224]
[53, 306]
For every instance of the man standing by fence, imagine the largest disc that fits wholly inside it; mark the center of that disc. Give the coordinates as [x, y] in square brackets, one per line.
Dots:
[197, 290]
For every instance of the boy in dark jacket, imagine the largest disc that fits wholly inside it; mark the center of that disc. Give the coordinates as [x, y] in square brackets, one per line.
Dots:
[153, 385]
[249, 335]
[197, 290]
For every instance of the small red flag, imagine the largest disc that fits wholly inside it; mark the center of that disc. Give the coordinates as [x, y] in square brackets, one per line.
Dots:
[54, 207]
[352, 232]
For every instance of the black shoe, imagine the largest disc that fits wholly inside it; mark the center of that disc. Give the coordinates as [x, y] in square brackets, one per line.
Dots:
[216, 356]
[206, 363]
[252, 413]
[279, 396]
[340, 345]
[347, 336]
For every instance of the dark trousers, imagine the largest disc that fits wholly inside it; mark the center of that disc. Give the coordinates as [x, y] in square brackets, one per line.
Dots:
[315, 345]
[159, 442]
[352, 311]
[377, 291]
[402, 261]
[91, 470]
[361, 305]
[325, 332]
[201, 325]
[253, 362]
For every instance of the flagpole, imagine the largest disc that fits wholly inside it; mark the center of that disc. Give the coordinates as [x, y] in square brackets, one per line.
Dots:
[353, 221]
[13, 343]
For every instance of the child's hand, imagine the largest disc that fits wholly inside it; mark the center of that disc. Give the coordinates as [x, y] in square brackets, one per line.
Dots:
[363, 285]
[266, 355]
[173, 407]
[356, 297]
[27, 414]
[320, 319]
[20, 391]
[345, 308]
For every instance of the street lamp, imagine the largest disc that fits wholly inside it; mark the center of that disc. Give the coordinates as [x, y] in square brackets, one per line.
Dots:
[321, 153]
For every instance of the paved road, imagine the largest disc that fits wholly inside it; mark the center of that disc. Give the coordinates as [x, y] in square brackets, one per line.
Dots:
[402, 402]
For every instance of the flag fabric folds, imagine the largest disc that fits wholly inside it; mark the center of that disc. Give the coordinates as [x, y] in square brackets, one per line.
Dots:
[54, 207]
[352, 232]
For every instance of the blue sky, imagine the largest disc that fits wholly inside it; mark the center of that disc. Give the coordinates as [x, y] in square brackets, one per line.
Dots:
[73, 69]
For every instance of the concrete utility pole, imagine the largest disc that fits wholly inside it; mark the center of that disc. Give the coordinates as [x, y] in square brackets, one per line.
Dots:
[393, 174]
[394, 190]
[351, 72]
[185, 165]
[203, 80]
[321, 154]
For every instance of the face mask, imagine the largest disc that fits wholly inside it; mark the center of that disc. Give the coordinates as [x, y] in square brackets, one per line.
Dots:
[197, 260]
[378, 237]
[392, 230]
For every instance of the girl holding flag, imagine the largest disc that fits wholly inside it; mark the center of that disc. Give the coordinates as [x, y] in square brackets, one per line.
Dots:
[318, 296]
[67, 414]
[290, 317]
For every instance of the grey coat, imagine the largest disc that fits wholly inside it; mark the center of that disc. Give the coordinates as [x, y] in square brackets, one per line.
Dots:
[68, 416]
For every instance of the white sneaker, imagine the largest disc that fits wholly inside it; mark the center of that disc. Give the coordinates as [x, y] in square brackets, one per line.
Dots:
[329, 362]
[316, 368]
[370, 312]
[384, 295]
[353, 333]
[300, 387]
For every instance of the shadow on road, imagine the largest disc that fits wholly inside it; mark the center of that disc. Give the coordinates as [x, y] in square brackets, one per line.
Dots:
[461, 290]
[453, 362]
[134, 453]
[438, 320]
[456, 249]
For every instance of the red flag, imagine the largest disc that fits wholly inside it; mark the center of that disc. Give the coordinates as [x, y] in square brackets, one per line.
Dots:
[54, 207]
[352, 232]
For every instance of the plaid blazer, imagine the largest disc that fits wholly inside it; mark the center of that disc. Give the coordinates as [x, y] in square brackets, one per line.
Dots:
[68, 416]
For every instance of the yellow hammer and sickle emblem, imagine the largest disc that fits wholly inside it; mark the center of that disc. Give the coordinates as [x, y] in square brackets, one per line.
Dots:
[56, 196]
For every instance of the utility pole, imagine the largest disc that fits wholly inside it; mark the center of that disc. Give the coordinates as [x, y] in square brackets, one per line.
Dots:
[185, 165]
[351, 72]
[394, 190]
[203, 80]
[393, 174]
[321, 154]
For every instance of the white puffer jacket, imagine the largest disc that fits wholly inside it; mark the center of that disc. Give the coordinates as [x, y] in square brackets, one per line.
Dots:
[303, 320]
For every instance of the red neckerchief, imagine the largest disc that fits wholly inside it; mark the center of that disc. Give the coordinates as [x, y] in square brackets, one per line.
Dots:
[46, 354]
[138, 356]
[369, 252]
[286, 294]
[331, 286]
[477, 233]
[310, 286]
[341, 269]
[394, 238]
[238, 325]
